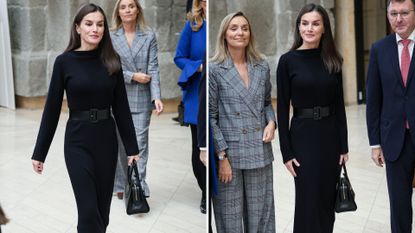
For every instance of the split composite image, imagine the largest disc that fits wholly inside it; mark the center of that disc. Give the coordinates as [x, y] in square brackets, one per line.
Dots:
[226, 116]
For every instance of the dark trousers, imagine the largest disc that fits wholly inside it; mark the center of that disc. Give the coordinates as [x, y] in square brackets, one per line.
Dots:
[399, 175]
[199, 169]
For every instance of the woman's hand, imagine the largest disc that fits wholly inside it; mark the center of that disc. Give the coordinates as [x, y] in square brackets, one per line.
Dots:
[343, 157]
[159, 107]
[225, 171]
[37, 166]
[269, 132]
[131, 158]
[141, 78]
[290, 167]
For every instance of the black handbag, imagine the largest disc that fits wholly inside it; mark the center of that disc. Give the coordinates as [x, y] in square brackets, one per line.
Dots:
[345, 199]
[135, 200]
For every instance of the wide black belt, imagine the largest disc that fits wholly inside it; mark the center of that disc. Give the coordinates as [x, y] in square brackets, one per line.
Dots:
[315, 113]
[92, 115]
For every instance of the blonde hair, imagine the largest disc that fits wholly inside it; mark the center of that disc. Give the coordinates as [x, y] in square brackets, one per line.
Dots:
[221, 48]
[196, 16]
[116, 19]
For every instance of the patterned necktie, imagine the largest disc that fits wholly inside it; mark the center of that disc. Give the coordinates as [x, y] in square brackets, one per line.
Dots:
[405, 60]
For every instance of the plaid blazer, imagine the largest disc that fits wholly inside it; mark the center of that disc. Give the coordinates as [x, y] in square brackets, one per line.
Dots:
[239, 115]
[141, 57]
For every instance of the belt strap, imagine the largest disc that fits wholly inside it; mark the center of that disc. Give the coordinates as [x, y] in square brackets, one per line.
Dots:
[316, 113]
[92, 115]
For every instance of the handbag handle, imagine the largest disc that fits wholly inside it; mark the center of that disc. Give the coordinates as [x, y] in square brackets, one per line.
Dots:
[345, 170]
[345, 173]
[133, 168]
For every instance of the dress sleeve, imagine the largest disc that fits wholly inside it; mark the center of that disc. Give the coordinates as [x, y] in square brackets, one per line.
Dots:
[341, 116]
[122, 115]
[51, 112]
[283, 109]
[183, 58]
[218, 139]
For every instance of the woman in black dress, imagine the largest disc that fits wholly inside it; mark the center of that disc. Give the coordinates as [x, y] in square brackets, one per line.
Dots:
[315, 144]
[90, 72]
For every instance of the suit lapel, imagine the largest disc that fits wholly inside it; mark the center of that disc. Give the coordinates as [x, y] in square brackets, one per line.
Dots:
[124, 48]
[395, 58]
[254, 81]
[232, 77]
[411, 69]
[138, 42]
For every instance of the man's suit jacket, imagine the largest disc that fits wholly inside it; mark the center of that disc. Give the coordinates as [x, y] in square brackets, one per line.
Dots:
[239, 115]
[389, 102]
[141, 57]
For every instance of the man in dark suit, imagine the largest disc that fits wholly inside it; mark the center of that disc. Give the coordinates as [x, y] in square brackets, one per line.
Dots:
[391, 110]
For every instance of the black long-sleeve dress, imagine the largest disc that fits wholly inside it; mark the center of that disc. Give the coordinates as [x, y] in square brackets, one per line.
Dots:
[303, 81]
[90, 147]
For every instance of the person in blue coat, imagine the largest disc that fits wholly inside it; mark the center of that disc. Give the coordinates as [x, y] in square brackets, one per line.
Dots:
[189, 57]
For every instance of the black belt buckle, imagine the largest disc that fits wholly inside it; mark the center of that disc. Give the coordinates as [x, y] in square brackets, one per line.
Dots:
[93, 115]
[317, 113]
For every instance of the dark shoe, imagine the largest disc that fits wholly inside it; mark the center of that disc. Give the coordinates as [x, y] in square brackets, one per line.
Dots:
[203, 205]
[120, 195]
[176, 119]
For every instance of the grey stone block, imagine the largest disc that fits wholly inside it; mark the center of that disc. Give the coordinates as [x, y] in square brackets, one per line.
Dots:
[37, 31]
[59, 23]
[19, 21]
[169, 75]
[216, 13]
[19, 3]
[27, 28]
[150, 16]
[286, 26]
[36, 3]
[162, 3]
[27, 3]
[289, 5]
[182, 3]
[263, 26]
[30, 72]
[327, 4]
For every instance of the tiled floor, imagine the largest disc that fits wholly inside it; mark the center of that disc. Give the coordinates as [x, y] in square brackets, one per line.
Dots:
[45, 203]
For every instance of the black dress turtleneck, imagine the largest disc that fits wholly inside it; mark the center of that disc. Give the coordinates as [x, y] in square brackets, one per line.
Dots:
[303, 81]
[90, 147]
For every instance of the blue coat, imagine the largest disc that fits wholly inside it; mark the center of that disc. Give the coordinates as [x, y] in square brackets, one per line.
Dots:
[189, 55]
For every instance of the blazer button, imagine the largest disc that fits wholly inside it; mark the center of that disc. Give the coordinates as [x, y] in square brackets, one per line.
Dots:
[258, 129]
[238, 113]
[244, 131]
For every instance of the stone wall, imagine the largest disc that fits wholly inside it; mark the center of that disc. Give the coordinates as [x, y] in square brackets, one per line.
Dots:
[272, 24]
[40, 31]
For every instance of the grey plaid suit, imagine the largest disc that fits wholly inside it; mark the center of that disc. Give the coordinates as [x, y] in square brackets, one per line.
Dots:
[238, 117]
[141, 57]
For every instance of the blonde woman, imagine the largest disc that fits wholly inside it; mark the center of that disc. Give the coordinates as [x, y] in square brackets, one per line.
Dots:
[137, 46]
[243, 125]
[189, 57]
